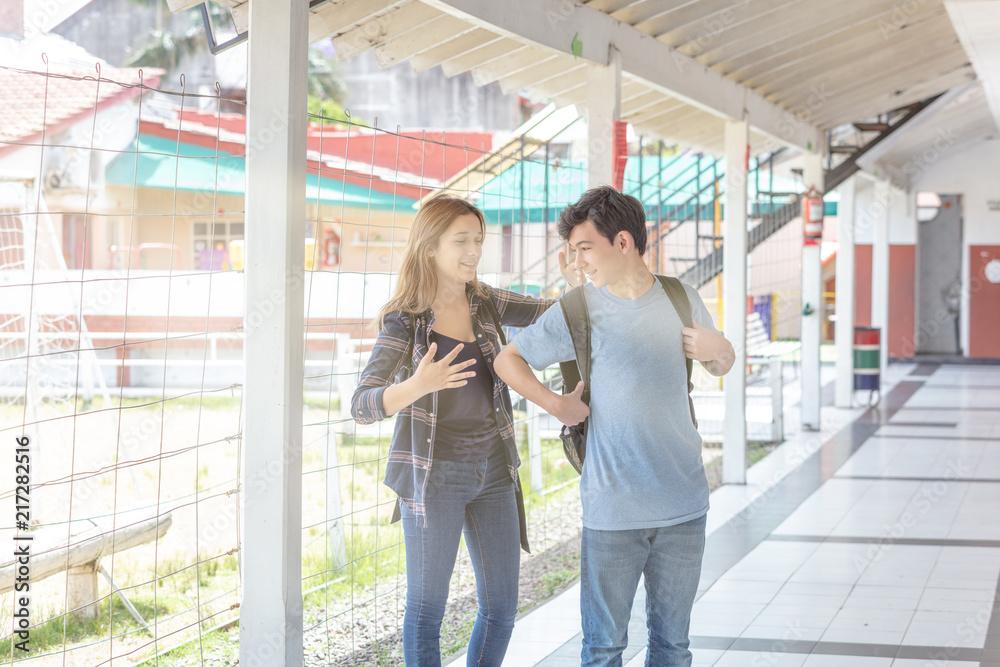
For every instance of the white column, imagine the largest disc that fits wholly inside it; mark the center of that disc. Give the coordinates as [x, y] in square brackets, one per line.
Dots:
[271, 608]
[603, 109]
[734, 298]
[880, 267]
[812, 306]
[844, 327]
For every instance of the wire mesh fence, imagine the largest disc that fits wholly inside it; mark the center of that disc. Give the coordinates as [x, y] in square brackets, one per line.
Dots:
[110, 340]
[122, 320]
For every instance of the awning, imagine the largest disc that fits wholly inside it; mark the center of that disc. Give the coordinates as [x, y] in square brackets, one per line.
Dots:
[165, 164]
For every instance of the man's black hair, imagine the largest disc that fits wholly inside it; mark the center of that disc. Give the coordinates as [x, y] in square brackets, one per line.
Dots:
[610, 211]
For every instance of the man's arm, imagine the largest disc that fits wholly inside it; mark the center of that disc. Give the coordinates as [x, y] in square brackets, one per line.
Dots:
[710, 348]
[512, 368]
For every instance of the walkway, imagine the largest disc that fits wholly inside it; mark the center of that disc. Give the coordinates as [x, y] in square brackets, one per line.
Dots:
[875, 542]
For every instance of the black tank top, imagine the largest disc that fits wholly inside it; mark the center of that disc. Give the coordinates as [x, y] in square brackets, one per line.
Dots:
[466, 424]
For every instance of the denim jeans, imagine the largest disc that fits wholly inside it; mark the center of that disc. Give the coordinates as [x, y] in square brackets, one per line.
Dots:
[612, 561]
[477, 497]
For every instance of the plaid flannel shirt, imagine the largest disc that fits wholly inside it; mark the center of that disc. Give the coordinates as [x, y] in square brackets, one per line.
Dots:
[401, 344]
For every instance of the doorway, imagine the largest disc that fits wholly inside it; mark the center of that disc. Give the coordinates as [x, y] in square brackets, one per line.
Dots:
[939, 273]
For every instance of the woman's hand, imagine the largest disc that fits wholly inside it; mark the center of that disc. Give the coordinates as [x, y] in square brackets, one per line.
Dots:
[573, 276]
[432, 376]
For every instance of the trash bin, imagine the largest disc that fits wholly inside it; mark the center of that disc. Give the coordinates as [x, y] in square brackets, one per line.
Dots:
[867, 358]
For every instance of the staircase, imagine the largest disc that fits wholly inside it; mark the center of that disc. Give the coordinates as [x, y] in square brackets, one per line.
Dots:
[710, 265]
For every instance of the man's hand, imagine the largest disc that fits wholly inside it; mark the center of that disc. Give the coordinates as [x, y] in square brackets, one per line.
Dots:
[573, 276]
[710, 348]
[570, 409]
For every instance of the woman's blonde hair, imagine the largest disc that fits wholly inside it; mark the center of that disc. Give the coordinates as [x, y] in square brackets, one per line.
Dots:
[417, 283]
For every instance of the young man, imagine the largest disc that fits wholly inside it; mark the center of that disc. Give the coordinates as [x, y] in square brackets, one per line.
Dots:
[643, 488]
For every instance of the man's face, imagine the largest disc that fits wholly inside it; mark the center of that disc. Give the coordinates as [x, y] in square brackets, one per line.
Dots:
[599, 258]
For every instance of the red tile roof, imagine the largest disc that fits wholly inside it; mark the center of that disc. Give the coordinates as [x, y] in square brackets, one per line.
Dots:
[58, 100]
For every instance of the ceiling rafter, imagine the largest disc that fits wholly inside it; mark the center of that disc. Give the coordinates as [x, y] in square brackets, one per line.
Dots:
[557, 26]
[453, 48]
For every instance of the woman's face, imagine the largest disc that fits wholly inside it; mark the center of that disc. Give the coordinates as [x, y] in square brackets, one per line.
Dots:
[459, 249]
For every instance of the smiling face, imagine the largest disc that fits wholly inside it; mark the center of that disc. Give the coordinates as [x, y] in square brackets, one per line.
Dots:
[458, 250]
[604, 262]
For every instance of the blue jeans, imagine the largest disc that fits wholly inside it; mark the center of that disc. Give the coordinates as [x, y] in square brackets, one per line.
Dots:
[611, 562]
[477, 497]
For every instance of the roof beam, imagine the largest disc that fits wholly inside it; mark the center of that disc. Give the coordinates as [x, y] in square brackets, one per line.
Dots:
[873, 99]
[334, 18]
[516, 60]
[439, 30]
[767, 36]
[453, 48]
[838, 47]
[557, 26]
[976, 24]
[534, 77]
[377, 31]
[477, 57]
[842, 68]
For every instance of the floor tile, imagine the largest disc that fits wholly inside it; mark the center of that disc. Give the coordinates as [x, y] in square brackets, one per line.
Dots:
[770, 659]
[819, 660]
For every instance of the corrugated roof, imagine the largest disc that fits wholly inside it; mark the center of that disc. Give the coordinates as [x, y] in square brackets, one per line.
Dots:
[165, 164]
[33, 100]
[825, 63]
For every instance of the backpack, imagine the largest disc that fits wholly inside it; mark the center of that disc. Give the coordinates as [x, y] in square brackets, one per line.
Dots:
[574, 307]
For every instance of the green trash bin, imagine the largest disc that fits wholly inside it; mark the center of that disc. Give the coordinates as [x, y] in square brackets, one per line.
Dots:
[867, 360]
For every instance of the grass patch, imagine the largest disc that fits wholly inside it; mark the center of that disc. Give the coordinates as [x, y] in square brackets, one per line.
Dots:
[373, 553]
[210, 643]
[553, 581]
[112, 619]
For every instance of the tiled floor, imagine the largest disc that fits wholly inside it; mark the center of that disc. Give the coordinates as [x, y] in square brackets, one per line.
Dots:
[874, 542]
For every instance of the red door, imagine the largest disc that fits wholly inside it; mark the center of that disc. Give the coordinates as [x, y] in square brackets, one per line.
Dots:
[984, 301]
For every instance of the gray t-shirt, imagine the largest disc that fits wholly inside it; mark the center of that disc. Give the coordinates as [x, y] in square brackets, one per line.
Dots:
[644, 467]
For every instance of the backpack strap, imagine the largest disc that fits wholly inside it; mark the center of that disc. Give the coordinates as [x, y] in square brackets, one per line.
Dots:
[679, 298]
[495, 316]
[574, 307]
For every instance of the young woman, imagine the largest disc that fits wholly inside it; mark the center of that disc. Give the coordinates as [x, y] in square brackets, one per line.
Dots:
[453, 461]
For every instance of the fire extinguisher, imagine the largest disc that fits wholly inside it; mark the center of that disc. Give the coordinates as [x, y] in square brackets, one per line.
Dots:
[812, 217]
[331, 249]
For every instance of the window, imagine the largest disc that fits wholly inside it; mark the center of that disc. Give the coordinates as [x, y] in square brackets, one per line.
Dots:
[211, 241]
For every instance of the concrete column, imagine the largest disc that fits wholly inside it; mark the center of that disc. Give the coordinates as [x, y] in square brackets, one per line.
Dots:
[271, 609]
[734, 297]
[812, 306]
[844, 327]
[604, 87]
[880, 266]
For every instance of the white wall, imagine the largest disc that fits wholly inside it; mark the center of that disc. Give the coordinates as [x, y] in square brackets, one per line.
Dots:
[902, 214]
[974, 173]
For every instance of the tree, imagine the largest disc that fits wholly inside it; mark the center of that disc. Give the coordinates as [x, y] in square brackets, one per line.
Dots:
[326, 90]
